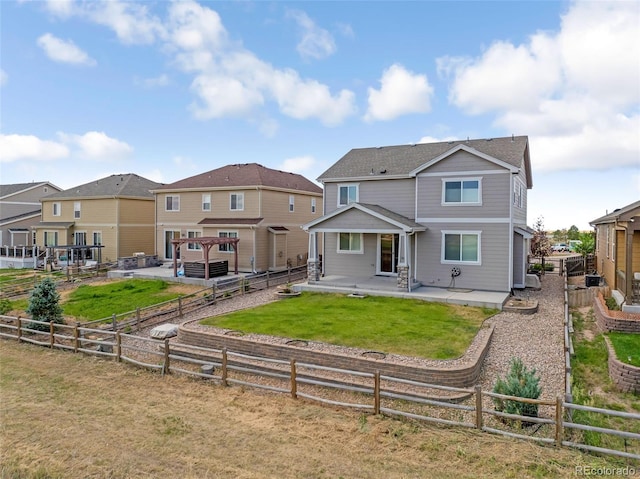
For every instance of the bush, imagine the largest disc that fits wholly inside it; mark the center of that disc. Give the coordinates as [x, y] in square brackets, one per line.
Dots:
[612, 304]
[519, 382]
[43, 305]
[5, 306]
[535, 267]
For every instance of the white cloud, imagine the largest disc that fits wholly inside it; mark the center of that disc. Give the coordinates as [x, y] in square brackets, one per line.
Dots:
[432, 139]
[316, 42]
[60, 8]
[63, 51]
[4, 78]
[29, 147]
[298, 164]
[159, 81]
[574, 92]
[97, 146]
[401, 92]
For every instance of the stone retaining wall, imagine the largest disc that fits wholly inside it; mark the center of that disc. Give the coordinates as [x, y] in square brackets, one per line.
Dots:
[608, 320]
[625, 376]
[455, 376]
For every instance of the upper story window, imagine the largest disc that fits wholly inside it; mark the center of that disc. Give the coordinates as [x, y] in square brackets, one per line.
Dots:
[461, 192]
[461, 247]
[56, 209]
[350, 243]
[193, 246]
[347, 194]
[206, 202]
[76, 209]
[518, 193]
[313, 205]
[236, 201]
[292, 201]
[172, 203]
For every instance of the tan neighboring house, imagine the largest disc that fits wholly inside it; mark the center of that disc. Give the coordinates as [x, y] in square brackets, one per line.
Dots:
[116, 212]
[19, 211]
[262, 207]
[618, 252]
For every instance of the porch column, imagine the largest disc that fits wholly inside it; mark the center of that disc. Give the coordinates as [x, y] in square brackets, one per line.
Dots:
[313, 265]
[403, 265]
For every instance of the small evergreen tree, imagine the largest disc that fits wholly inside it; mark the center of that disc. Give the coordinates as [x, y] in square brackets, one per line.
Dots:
[44, 305]
[540, 244]
[519, 382]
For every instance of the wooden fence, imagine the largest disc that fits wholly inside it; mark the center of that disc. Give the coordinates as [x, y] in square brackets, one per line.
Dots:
[373, 392]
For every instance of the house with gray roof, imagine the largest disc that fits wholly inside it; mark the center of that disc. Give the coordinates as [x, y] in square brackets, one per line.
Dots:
[448, 215]
[115, 213]
[19, 211]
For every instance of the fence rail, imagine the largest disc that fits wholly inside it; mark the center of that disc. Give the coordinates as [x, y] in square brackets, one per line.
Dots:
[366, 391]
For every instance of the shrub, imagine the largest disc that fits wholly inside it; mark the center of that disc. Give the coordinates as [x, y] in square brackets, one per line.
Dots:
[535, 267]
[5, 306]
[43, 305]
[612, 304]
[519, 382]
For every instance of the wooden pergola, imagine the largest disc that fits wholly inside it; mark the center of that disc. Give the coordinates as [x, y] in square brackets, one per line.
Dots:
[206, 242]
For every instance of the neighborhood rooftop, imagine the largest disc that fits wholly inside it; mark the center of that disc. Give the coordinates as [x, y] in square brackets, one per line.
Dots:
[246, 174]
[128, 184]
[401, 160]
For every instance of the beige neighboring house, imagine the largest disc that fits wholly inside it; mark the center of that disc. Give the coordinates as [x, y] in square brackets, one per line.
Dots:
[116, 212]
[618, 252]
[262, 207]
[19, 211]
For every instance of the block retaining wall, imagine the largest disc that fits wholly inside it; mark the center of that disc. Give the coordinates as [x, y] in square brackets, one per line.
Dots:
[625, 376]
[608, 320]
[455, 376]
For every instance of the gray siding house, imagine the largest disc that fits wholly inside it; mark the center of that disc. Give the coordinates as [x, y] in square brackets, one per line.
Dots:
[432, 214]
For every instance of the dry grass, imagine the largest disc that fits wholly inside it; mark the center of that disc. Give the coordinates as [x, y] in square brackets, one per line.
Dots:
[73, 416]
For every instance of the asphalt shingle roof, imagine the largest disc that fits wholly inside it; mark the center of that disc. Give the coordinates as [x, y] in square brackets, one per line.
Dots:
[246, 174]
[124, 185]
[403, 159]
[10, 189]
[617, 214]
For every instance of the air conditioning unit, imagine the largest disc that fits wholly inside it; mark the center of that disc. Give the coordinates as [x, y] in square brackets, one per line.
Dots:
[138, 254]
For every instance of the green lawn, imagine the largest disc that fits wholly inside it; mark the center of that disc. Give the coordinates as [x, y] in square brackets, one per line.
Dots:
[627, 347]
[391, 325]
[89, 302]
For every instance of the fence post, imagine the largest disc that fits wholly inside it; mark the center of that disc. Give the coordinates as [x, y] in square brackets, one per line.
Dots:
[376, 393]
[118, 346]
[559, 419]
[52, 338]
[138, 318]
[267, 279]
[478, 407]
[294, 382]
[180, 306]
[214, 293]
[114, 322]
[224, 363]
[75, 338]
[19, 329]
[165, 365]
[288, 274]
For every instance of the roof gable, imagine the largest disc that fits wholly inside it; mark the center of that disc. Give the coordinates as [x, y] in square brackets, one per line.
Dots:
[124, 185]
[15, 188]
[243, 175]
[621, 214]
[468, 149]
[376, 211]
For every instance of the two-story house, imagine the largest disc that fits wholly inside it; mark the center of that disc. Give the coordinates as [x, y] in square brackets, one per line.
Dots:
[19, 211]
[116, 212]
[618, 252]
[262, 207]
[433, 214]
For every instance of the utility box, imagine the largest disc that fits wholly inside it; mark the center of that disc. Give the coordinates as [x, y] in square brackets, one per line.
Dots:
[592, 280]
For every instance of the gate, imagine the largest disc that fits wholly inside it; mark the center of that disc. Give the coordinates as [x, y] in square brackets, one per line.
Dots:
[575, 265]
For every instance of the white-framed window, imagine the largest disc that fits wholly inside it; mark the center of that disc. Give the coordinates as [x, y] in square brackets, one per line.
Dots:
[56, 209]
[227, 248]
[194, 246]
[97, 237]
[206, 201]
[80, 238]
[292, 203]
[518, 193]
[51, 238]
[458, 191]
[76, 209]
[461, 247]
[172, 203]
[347, 194]
[350, 243]
[313, 205]
[34, 237]
[236, 201]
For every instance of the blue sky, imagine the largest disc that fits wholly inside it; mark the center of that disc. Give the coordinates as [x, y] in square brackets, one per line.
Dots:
[172, 89]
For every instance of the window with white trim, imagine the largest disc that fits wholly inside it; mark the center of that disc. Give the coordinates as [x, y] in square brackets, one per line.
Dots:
[461, 191]
[56, 209]
[51, 238]
[172, 203]
[97, 237]
[292, 203]
[313, 205]
[80, 238]
[76, 209]
[518, 193]
[227, 248]
[236, 201]
[460, 247]
[347, 194]
[206, 201]
[194, 246]
[350, 243]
